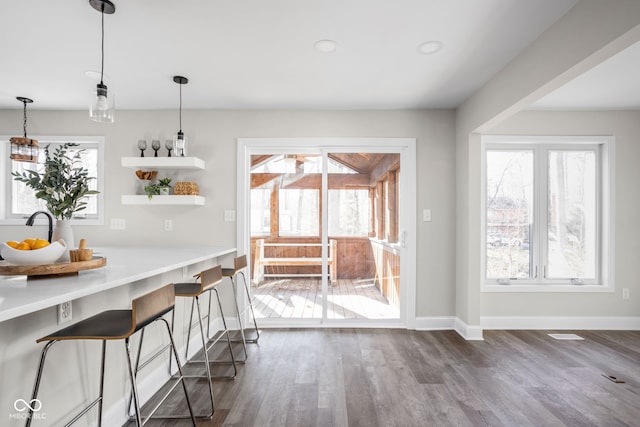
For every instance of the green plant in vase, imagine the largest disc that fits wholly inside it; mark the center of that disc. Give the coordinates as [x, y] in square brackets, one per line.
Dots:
[63, 183]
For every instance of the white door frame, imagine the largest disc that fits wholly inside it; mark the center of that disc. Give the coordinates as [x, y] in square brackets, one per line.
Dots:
[406, 147]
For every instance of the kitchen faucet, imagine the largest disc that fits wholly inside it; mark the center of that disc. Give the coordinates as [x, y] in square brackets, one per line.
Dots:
[32, 218]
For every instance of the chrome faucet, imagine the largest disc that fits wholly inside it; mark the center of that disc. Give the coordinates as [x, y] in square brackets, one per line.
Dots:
[32, 218]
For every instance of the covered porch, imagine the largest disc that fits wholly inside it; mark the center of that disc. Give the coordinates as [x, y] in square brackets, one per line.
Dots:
[363, 251]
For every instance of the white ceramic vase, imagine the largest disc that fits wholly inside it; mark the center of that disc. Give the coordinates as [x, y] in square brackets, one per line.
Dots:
[62, 230]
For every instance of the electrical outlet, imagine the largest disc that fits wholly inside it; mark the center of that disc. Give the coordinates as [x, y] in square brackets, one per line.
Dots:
[168, 225]
[625, 293]
[64, 312]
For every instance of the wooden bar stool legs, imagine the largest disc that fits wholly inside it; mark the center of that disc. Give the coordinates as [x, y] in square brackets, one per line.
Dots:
[118, 325]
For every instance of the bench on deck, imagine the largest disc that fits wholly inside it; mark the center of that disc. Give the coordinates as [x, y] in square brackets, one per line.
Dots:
[261, 261]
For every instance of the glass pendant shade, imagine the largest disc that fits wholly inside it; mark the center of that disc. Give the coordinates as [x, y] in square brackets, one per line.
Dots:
[102, 109]
[180, 144]
[179, 141]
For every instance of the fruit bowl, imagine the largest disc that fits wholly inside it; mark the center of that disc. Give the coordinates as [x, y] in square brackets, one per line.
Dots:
[47, 255]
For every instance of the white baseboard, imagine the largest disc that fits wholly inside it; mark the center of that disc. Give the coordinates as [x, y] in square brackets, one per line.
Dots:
[441, 323]
[449, 323]
[468, 332]
[560, 322]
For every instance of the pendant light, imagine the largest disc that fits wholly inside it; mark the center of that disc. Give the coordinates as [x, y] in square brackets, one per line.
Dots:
[24, 149]
[179, 141]
[102, 109]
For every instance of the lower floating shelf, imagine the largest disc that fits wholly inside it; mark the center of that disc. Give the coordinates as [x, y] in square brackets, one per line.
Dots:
[163, 200]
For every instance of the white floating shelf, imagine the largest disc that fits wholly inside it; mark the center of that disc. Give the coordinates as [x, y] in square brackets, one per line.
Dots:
[163, 200]
[163, 162]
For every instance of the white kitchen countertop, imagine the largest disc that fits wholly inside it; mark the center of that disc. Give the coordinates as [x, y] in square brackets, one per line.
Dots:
[126, 264]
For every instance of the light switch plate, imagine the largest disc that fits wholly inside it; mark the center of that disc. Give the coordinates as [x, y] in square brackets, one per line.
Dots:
[118, 223]
[229, 216]
[426, 214]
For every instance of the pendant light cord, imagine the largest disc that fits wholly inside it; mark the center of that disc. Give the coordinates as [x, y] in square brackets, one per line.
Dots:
[24, 125]
[102, 61]
[181, 107]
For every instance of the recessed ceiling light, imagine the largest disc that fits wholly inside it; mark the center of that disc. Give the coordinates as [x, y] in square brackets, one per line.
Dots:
[430, 47]
[325, 46]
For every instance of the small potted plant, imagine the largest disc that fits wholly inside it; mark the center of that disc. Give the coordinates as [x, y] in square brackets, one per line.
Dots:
[161, 188]
[165, 187]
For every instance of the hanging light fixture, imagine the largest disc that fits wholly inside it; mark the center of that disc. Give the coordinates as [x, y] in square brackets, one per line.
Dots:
[102, 109]
[24, 149]
[179, 141]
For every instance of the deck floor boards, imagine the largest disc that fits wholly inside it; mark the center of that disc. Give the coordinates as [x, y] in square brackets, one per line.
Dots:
[302, 299]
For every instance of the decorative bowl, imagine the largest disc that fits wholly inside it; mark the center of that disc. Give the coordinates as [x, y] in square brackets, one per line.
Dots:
[47, 255]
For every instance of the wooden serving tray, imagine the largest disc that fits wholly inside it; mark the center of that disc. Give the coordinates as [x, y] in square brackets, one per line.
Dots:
[51, 269]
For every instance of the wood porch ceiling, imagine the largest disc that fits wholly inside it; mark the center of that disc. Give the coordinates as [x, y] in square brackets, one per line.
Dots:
[369, 167]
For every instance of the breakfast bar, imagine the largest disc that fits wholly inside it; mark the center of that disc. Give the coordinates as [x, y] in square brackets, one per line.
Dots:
[20, 296]
[28, 310]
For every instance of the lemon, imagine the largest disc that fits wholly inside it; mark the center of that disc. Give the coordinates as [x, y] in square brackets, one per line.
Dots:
[39, 243]
[23, 246]
[12, 243]
[30, 242]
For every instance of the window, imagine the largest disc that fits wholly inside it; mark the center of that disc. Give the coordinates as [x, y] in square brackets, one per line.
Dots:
[546, 201]
[19, 201]
[349, 213]
[298, 212]
[260, 211]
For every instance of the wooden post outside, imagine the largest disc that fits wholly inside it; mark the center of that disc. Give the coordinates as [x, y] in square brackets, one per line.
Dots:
[274, 213]
[380, 232]
[333, 261]
[392, 206]
[258, 267]
[372, 209]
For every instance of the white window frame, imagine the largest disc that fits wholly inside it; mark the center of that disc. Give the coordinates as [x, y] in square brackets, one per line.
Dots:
[6, 178]
[605, 154]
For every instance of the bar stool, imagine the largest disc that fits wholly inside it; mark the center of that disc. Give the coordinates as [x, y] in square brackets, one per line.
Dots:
[239, 264]
[207, 281]
[118, 325]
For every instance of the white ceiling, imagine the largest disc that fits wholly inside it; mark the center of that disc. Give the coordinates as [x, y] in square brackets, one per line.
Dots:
[258, 54]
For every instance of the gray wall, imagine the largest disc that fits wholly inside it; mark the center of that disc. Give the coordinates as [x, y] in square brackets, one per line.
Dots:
[552, 60]
[625, 126]
[212, 136]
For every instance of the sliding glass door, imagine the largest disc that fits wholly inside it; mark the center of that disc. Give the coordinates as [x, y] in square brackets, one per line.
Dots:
[362, 227]
[324, 232]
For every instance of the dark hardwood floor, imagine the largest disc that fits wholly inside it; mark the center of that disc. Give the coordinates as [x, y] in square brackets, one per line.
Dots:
[390, 377]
